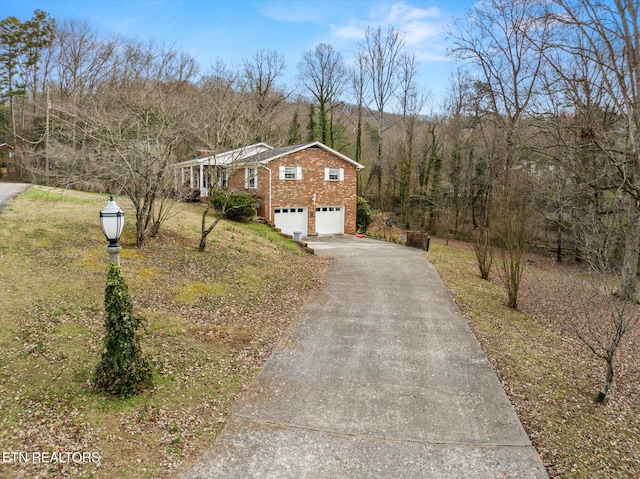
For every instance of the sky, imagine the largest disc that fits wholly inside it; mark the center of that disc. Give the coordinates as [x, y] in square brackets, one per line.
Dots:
[233, 30]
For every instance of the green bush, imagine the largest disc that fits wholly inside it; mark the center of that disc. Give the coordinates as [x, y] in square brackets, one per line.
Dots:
[363, 214]
[122, 371]
[235, 207]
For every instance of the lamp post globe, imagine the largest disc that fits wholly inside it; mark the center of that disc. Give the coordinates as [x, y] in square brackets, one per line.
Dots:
[112, 222]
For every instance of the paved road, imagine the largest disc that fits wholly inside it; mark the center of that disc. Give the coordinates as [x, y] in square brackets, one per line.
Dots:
[380, 378]
[8, 191]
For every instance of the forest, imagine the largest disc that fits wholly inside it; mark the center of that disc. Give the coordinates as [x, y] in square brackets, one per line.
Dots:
[537, 145]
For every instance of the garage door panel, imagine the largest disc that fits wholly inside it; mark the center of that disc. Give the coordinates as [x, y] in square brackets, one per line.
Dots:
[290, 219]
[330, 219]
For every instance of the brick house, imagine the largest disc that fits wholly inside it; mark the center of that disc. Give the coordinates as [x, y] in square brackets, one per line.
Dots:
[309, 188]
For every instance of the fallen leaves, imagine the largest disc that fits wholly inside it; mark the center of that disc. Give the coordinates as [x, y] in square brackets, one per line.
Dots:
[548, 374]
[213, 319]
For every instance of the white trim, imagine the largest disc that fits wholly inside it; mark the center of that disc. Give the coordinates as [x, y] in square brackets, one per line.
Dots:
[251, 173]
[304, 146]
[328, 171]
[226, 157]
[283, 170]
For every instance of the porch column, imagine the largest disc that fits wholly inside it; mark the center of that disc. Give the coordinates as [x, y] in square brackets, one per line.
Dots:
[202, 185]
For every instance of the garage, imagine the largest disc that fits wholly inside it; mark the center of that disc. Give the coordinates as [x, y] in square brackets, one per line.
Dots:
[291, 219]
[330, 220]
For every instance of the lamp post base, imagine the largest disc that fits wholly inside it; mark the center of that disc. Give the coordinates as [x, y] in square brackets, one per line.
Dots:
[114, 253]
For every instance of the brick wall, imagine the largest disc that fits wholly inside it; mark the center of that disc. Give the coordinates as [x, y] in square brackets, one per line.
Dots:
[286, 193]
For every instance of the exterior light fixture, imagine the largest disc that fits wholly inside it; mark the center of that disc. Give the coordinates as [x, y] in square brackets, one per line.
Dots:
[112, 222]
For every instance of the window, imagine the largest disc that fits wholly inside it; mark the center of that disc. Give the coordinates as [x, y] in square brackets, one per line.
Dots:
[334, 174]
[251, 178]
[290, 173]
[224, 178]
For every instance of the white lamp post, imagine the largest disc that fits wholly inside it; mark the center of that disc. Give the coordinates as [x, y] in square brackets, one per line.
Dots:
[112, 222]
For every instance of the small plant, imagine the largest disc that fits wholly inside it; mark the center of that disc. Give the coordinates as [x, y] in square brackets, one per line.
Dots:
[484, 251]
[363, 214]
[122, 371]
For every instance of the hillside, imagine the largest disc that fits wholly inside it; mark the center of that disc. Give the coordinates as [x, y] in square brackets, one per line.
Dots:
[212, 320]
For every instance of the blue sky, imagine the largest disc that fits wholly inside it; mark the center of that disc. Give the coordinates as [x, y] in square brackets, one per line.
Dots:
[231, 30]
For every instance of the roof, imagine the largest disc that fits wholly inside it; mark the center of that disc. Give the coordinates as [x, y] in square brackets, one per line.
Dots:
[265, 157]
[226, 157]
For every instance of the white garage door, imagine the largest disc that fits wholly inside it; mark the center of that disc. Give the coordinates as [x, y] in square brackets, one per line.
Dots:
[330, 220]
[291, 219]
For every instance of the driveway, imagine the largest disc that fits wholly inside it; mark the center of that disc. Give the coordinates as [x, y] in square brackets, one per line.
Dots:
[8, 191]
[380, 378]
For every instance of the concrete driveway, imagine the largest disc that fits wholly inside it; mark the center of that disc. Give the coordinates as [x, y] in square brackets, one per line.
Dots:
[380, 378]
[8, 191]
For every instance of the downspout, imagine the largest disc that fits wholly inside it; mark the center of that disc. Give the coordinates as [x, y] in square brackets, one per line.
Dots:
[270, 209]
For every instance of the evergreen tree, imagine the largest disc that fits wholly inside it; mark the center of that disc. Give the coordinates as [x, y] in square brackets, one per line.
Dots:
[122, 371]
[312, 126]
[294, 135]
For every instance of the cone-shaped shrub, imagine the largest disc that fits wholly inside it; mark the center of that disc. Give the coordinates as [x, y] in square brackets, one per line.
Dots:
[122, 371]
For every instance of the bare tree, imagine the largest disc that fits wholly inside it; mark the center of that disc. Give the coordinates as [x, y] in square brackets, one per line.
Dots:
[359, 90]
[260, 75]
[514, 229]
[323, 74]
[381, 53]
[219, 113]
[136, 125]
[601, 320]
[412, 101]
[604, 39]
[224, 202]
[505, 41]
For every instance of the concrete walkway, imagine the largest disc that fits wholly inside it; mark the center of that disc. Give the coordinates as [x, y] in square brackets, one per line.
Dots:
[380, 378]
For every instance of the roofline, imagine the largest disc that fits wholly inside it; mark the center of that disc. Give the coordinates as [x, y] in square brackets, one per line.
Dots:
[304, 146]
[209, 158]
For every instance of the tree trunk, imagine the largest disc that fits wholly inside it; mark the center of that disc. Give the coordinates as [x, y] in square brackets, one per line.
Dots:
[607, 383]
[559, 232]
[629, 273]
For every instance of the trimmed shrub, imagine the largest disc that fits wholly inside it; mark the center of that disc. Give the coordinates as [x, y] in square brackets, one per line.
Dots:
[234, 207]
[363, 214]
[122, 371]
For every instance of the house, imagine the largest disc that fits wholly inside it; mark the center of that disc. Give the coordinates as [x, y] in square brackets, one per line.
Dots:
[200, 173]
[309, 188]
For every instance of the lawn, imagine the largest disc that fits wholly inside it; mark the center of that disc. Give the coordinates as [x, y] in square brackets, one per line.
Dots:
[549, 376]
[212, 319]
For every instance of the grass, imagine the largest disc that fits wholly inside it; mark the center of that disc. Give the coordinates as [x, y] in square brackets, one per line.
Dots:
[212, 319]
[549, 376]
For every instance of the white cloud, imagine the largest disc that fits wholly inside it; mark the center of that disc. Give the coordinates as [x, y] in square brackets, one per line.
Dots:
[349, 32]
[403, 13]
[417, 33]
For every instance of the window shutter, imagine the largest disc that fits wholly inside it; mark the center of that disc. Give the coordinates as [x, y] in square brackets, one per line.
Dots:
[298, 172]
[326, 174]
[281, 173]
[341, 174]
